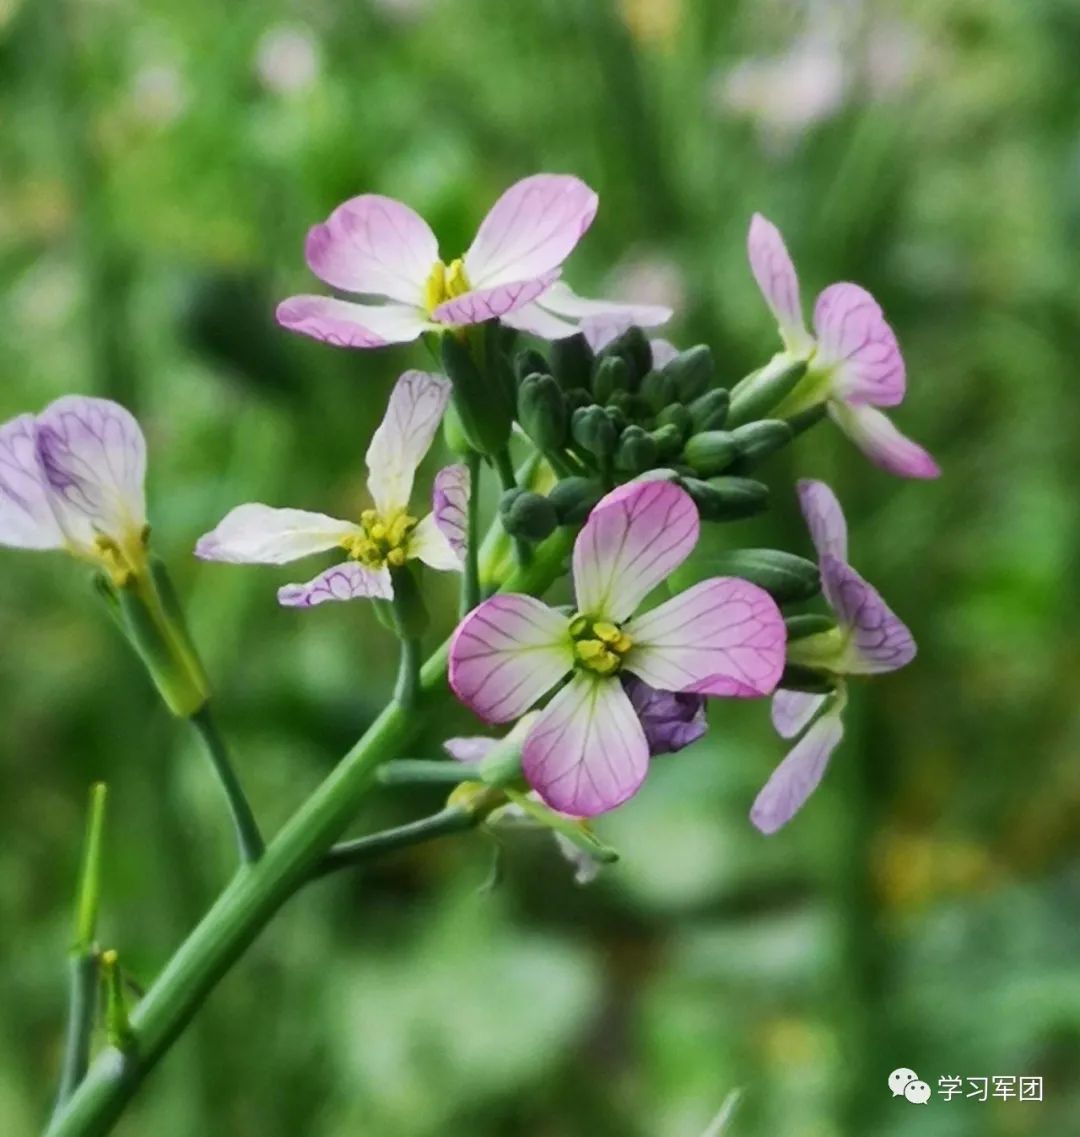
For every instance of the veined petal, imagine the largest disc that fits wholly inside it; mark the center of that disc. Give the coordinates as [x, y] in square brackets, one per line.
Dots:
[633, 540]
[562, 300]
[533, 319]
[854, 338]
[257, 534]
[671, 720]
[429, 544]
[346, 581]
[450, 505]
[345, 324]
[27, 520]
[404, 436]
[530, 230]
[724, 636]
[824, 518]
[587, 753]
[796, 778]
[792, 710]
[374, 245]
[879, 640]
[93, 456]
[506, 654]
[492, 303]
[875, 435]
[775, 274]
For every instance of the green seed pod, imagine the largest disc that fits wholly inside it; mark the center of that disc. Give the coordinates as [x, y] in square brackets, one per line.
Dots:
[762, 390]
[572, 361]
[610, 375]
[810, 624]
[679, 417]
[594, 432]
[693, 372]
[658, 390]
[784, 576]
[529, 361]
[528, 515]
[669, 441]
[710, 411]
[757, 440]
[636, 451]
[485, 412]
[727, 499]
[573, 498]
[542, 411]
[710, 452]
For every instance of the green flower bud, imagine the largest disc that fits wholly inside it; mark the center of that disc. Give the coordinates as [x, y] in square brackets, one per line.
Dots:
[658, 390]
[633, 347]
[757, 440]
[727, 499]
[679, 417]
[573, 499]
[636, 452]
[578, 397]
[710, 452]
[611, 374]
[528, 515]
[572, 361]
[668, 439]
[710, 411]
[693, 372]
[798, 678]
[618, 419]
[594, 432]
[542, 411]
[804, 420]
[784, 576]
[762, 390]
[810, 624]
[529, 361]
[485, 412]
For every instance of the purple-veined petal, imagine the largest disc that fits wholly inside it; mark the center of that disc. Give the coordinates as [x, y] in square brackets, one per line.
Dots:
[374, 245]
[634, 539]
[824, 518]
[792, 710]
[93, 456]
[854, 338]
[345, 324]
[508, 653]
[257, 534]
[530, 230]
[27, 520]
[492, 303]
[471, 749]
[724, 636]
[671, 720]
[587, 752]
[775, 274]
[346, 581]
[879, 640]
[875, 435]
[450, 505]
[404, 436]
[533, 319]
[796, 778]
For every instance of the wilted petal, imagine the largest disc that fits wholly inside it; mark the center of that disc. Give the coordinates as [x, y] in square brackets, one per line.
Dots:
[854, 338]
[345, 324]
[874, 434]
[472, 749]
[633, 540]
[404, 436]
[724, 636]
[775, 275]
[506, 654]
[671, 720]
[26, 518]
[796, 778]
[587, 752]
[824, 518]
[347, 581]
[792, 710]
[450, 505]
[93, 456]
[374, 245]
[530, 230]
[880, 641]
[492, 303]
[257, 534]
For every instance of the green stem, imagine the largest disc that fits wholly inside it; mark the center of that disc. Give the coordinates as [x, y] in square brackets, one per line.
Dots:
[82, 1001]
[248, 838]
[407, 688]
[470, 580]
[504, 467]
[453, 819]
[422, 771]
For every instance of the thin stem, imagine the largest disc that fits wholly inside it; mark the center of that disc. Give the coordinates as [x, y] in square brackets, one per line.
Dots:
[470, 580]
[422, 771]
[82, 1002]
[407, 688]
[348, 854]
[248, 838]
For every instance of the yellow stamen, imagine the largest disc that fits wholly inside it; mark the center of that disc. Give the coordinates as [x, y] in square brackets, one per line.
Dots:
[381, 540]
[444, 283]
[599, 646]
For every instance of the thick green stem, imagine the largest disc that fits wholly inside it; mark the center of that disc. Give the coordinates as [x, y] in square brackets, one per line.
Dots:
[248, 839]
[470, 579]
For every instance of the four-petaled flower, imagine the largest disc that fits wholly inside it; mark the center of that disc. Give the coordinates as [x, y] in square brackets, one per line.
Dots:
[869, 640]
[378, 247]
[387, 536]
[855, 365]
[587, 751]
[72, 478]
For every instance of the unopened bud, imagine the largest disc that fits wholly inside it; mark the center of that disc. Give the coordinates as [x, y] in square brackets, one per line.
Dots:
[529, 361]
[636, 451]
[799, 678]
[542, 411]
[633, 347]
[809, 624]
[611, 374]
[572, 361]
[594, 432]
[710, 411]
[573, 499]
[679, 417]
[528, 515]
[692, 371]
[669, 441]
[762, 390]
[784, 576]
[658, 390]
[757, 440]
[727, 499]
[711, 452]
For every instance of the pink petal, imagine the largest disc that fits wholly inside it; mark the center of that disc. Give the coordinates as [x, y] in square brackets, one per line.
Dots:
[492, 303]
[257, 534]
[796, 778]
[450, 505]
[347, 581]
[508, 653]
[374, 245]
[587, 752]
[633, 540]
[775, 275]
[854, 338]
[875, 435]
[880, 641]
[404, 436]
[27, 520]
[344, 324]
[792, 710]
[530, 230]
[533, 319]
[562, 300]
[824, 518]
[724, 636]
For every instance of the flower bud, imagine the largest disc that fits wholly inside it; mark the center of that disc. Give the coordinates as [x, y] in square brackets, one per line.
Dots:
[612, 374]
[658, 390]
[757, 440]
[542, 411]
[484, 410]
[529, 361]
[711, 452]
[527, 515]
[762, 390]
[784, 576]
[799, 678]
[573, 499]
[671, 721]
[572, 361]
[633, 347]
[692, 371]
[679, 417]
[727, 499]
[668, 439]
[809, 624]
[594, 432]
[636, 451]
[710, 411]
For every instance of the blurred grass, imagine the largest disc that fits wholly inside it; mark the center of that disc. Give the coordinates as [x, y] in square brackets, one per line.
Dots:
[160, 165]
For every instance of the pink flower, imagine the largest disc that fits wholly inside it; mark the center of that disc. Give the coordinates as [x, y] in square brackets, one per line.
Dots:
[587, 752]
[869, 640]
[855, 365]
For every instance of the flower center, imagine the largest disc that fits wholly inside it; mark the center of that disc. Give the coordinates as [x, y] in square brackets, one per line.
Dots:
[444, 283]
[598, 645]
[384, 540]
[121, 562]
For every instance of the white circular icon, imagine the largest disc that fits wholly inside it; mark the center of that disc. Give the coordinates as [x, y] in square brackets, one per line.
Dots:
[917, 1092]
[900, 1079]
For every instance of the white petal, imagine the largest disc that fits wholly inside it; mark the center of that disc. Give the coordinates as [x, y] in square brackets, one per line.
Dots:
[256, 534]
[431, 545]
[533, 319]
[27, 520]
[347, 581]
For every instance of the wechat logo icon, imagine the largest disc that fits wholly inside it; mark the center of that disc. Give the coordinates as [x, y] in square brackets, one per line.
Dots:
[905, 1083]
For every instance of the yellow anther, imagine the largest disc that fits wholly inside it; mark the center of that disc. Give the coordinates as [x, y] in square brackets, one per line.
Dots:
[588, 650]
[377, 532]
[369, 517]
[599, 646]
[381, 540]
[623, 644]
[395, 558]
[578, 625]
[457, 283]
[606, 632]
[435, 287]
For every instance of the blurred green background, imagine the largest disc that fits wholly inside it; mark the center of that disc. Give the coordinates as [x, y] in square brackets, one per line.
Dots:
[159, 165]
